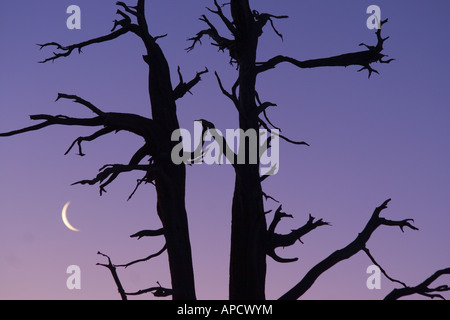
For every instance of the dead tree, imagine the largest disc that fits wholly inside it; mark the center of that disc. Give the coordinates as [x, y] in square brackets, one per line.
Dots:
[251, 239]
[154, 157]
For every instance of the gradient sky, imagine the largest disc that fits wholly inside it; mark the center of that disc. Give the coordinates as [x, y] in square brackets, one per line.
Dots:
[371, 140]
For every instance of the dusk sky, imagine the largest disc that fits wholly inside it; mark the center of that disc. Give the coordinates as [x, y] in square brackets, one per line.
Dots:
[370, 140]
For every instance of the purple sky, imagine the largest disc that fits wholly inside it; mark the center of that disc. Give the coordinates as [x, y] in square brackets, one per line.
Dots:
[371, 140]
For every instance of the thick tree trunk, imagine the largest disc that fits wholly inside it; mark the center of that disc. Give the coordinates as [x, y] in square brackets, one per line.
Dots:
[171, 185]
[172, 212]
[248, 234]
[248, 256]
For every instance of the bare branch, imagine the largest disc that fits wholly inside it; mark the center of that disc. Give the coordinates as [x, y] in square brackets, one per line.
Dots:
[183, 88]
[225, 20]
[263, 107]
[112, 268]
[92, 137]
[67, 50]
[282, 136]
[148, 233]
[157, 291]
[263, 18]
[55, 120]
[144, 259]
[423, 288]
[354, 247]
[232, 96]
[361, 58]
[267, 197]
[127, 8]
[381, 268]
[111, 172]
[264, 111]
[81, 101]
[276, 240]
[221, 42]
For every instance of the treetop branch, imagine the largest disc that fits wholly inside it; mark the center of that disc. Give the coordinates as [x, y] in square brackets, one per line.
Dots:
[361, 58]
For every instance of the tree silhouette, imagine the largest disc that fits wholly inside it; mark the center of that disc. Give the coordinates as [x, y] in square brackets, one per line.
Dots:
[154, 157]
[252, 238]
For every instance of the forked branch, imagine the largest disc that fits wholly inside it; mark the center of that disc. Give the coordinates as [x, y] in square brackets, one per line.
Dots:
[182, 88]
[277, 240]
[361, 58]
[354, 247]
[112, 269]
[225, 20]
[422, 288]
[110, 173]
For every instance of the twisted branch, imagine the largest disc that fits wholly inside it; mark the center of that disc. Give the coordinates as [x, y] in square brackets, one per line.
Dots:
[354, 247]
[113, 270]
[182, 88]
[422, 288]
[277, 240]
[361, 58]
[144, 259]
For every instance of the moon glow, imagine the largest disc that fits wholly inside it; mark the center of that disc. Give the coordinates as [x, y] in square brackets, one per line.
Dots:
[64, 218]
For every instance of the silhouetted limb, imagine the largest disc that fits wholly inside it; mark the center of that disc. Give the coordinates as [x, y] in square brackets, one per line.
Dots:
[277, 240]
[157, 291]
[423, 288]
[67, 50]
[148, 233]
[361, 58]
[125, 25]
[92, 137]
[138, 184]
[225, 20]
[113, 270]
[129, 9]
[221, 42]
[144, 259]
[81, 101]
[265, 126]
[111, 172]
[232, 96]
[354, 247]
[55, 120]
[381, 268]
[267, 197]
[182, 88]
[263, 18]
[198, 154]
[262, 123]
[112, 121]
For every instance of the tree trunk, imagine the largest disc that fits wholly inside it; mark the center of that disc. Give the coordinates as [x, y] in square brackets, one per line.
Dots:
[171, 186]
[248, 256]
[172, 212]
[248, 232]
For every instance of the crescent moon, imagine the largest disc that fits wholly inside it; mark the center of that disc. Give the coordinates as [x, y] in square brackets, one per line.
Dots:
[64, 218]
